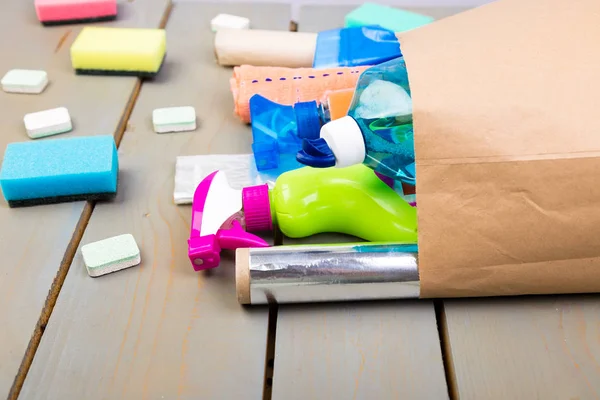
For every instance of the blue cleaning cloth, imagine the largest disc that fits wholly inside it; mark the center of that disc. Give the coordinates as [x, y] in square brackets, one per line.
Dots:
[355, 46]
[59, 167]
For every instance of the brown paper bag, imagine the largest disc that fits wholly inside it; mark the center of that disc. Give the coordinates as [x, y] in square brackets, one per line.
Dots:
[506, 104]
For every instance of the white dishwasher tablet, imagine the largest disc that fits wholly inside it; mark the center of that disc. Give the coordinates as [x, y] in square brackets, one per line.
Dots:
[48, 122]
[24, 81]
[174, 119]
[111, 255]
[229, 21]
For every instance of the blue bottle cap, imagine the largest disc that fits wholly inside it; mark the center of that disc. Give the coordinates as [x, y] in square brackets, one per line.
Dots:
[308, 121]
[316, 153]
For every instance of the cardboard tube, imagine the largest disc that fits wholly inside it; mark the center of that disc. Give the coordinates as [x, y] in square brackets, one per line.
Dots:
[235, 47]
[242, 275]
[327, 272]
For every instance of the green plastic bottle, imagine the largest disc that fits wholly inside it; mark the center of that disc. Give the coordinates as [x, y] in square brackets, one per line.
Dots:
[352, 200]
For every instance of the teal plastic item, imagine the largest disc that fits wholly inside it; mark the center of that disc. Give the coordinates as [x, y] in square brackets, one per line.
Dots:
[386, 17]
[378, 130]
[56, 170]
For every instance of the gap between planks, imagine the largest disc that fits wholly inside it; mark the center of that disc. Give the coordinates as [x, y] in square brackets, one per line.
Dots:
[273, 308]
[270, 352]
[71, 250]
[445, 346]
[271, 334]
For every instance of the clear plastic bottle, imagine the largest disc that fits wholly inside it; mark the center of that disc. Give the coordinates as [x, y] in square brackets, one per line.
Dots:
[378, 130]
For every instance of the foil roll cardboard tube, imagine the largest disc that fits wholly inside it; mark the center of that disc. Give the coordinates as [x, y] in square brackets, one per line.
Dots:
[328, 272]
[257, 47]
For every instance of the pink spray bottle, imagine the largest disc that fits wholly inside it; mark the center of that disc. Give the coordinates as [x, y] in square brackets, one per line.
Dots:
[218, 222]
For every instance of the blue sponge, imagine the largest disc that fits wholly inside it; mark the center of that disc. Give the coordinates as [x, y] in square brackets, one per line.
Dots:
[58, 170]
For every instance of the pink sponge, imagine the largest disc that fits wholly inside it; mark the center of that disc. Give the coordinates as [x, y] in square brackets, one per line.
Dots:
[56, 12]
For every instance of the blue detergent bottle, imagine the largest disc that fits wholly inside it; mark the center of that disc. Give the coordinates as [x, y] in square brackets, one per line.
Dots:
[378, 130]
[278, 130]
[354, 46]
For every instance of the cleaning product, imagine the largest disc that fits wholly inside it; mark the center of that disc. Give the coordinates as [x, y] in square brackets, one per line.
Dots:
[60, 170]
[24, 81]
[378, 130]
[351, 200]
[228, 21]
[174, 119]
[119, 51]
[278, 130]
[48, 122]
[111, 255]
[217, 222]
[302, 203]
[60, 12]
[275, 138]
[358, 45]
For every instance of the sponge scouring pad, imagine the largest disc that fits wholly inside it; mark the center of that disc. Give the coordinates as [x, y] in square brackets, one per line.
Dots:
[386, 17]
[119, 51]
[110, 255]
[58, 12]
[59, 170]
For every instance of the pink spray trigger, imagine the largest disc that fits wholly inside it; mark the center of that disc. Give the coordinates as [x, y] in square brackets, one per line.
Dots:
[216, 214]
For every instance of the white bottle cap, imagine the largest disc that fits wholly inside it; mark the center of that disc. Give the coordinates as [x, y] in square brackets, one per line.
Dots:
[345, 139]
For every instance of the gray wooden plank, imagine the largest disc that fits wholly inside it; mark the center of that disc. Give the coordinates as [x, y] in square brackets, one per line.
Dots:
[314, 18]
[33, 240]
[370, 350]
[161, 330]
[525, 348]
[380, 350]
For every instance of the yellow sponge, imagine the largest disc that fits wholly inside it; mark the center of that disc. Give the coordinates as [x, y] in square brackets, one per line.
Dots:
[119, 51]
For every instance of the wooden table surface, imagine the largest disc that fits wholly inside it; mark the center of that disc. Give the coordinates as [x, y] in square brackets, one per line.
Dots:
[163, 331]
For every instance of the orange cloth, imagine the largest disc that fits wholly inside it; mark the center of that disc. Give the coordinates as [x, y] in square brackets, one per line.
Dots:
[338, 102]
[287, 85]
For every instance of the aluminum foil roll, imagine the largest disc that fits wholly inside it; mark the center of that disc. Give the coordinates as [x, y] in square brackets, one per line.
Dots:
[328, 272]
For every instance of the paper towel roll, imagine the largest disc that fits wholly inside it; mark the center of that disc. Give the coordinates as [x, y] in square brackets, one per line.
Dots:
[265, 48]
